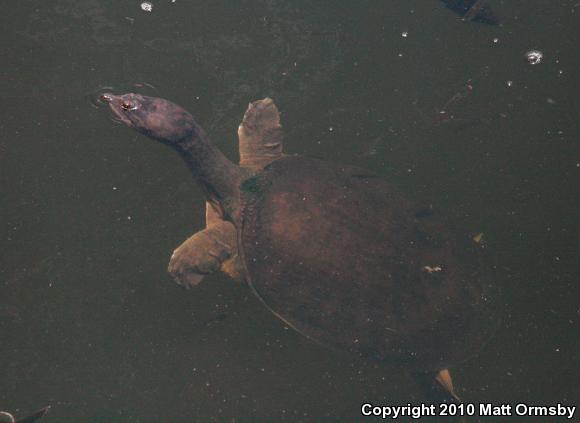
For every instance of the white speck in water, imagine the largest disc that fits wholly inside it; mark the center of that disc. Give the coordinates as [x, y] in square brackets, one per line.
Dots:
[331, 129]
[496, 40]
[404, 34]
[146, 6]
[129, 217]
[114, 188]
[509, 83]
[534, 57]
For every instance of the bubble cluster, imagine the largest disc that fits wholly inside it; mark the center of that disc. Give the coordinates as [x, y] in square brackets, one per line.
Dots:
[534, 57]
[146, 6]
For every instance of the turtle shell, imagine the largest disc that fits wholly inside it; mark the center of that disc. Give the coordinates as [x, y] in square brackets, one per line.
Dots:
[339, 255]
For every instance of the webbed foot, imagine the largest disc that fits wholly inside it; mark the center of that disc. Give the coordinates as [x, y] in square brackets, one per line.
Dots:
[204, 253]
[260, 135]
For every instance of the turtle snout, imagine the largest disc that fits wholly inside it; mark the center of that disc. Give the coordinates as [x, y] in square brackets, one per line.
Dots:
[107, 97]
[110, 99]
[118, 106]
[116, 101]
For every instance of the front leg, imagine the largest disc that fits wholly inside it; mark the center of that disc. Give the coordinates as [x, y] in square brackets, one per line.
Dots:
[204, 253]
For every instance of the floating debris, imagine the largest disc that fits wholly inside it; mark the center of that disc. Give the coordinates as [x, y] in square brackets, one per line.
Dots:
[445, 114]
[454, 109]
[534, 57]
[478, 238]
[473, 10]
[434, 269]
[146, 6]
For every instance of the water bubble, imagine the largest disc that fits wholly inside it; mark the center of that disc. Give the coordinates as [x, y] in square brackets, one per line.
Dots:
[146, 6]
[534, 57]
[404, 34]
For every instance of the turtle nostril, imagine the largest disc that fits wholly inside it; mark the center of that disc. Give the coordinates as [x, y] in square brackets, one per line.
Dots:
[106, 97]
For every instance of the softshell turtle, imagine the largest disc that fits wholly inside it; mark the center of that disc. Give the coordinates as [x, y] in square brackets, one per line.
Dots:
[473, 10]
[6, 417]
[334, 251]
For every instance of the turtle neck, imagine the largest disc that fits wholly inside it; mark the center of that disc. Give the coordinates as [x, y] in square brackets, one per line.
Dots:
[218, 177]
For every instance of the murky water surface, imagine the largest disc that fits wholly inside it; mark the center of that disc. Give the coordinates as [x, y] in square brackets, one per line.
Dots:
[452, 112]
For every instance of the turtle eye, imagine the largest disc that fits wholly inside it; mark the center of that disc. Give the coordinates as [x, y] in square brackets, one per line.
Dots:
[126, 106]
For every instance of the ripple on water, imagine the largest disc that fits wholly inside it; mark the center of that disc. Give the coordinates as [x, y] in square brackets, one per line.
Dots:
[96, 96]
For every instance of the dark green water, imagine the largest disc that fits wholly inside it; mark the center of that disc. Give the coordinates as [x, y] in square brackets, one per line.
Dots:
[90, 321]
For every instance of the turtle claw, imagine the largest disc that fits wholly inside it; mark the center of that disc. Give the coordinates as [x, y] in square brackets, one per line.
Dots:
[188, 279]
[260, 115]
[184, 268]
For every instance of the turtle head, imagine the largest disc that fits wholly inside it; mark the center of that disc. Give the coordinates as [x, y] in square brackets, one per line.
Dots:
[156, 118]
